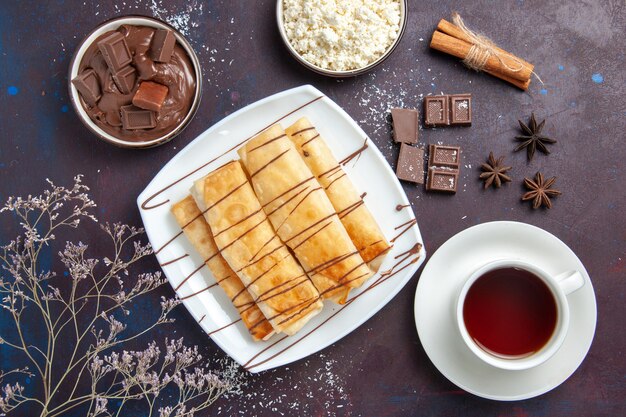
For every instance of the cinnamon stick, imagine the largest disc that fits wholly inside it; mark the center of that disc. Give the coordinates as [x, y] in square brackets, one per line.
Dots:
[454, 31]
[519, 84]
[459, 48]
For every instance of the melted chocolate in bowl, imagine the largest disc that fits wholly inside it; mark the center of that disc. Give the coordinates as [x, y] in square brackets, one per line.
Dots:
[178, 75]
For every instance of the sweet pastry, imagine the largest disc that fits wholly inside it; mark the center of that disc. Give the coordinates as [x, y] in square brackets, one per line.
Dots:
[355, 217]
[302, 214]
[249, 244]
[197, 231]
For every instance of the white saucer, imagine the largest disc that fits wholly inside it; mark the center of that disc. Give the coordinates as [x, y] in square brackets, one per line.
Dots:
[441, 282]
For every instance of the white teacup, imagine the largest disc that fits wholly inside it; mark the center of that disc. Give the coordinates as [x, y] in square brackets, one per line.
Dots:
[560, 285]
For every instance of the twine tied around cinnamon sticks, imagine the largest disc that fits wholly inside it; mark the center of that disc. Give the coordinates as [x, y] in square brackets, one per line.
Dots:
[481, 53]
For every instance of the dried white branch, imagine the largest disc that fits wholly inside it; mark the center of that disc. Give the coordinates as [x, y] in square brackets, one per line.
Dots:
[84, 309]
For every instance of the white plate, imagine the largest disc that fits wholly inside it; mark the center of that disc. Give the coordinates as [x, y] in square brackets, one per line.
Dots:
[439, 286]
[211, 308]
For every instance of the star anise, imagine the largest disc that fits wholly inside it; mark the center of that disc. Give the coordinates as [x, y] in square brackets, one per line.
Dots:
[495, 172]
[540, 191]
[532, 138]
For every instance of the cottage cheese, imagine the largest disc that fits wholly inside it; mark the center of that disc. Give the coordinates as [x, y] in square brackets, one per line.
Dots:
[341, 35]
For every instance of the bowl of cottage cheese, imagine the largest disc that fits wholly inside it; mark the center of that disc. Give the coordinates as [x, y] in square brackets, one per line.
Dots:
[341, 38]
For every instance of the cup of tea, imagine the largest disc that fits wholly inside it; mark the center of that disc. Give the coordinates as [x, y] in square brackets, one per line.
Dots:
[514, 315]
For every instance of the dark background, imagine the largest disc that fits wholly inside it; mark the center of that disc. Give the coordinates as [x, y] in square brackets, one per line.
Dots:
[380, 369]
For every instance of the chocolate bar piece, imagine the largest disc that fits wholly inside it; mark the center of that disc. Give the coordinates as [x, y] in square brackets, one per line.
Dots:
[134, 118]
[162, 45]
[444, 156]
[125, 79]
[115, 51]
[461, 110]
[436, 111]
[442, 179]
[88, 86]
[150, 96]
[404, 125]
[410, 164]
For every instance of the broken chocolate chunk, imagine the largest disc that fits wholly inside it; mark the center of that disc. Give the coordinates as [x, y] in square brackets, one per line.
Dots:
[115, 51]
[150, 96]
[411, 164]
[404, 125]
[461, 109]
[162, 45]
[88, 86]
[436, 111]
[444, 156]
[454, 110]
[134, 118]
[442, 179]
[125, 79]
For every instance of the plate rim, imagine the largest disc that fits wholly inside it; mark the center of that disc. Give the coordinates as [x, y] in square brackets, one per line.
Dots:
[536, 392]
[407, 274]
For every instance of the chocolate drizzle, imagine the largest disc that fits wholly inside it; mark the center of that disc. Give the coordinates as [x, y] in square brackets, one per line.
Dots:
[327, 264]
[307, 239]
[168, 242]
[244, 233]
[224, 327]
[335, 180]
[298, 205]
[310, 227]
[233, 191]
[330, 171]
[189, 276]
[407, 226]
[262, 297]
[289, 190]
[339, 171]
[303, 130]
[252, 261]
[270, 162]
[310, 140]
[257, 278]
[399, 207]
[145, 203]
[238, 223]
[267, 143]
[355, 154]
[343, 213]
[288, 200]
[174, 260]
[198, 292]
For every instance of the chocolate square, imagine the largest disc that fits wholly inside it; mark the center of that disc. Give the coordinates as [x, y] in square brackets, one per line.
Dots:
[461, 109]
[410, 164]
[115, 51]
[88, 86]
[162, 45]
[134, 118]
[444, 156]
[442, 179]
[150, 96]
[436, 111]
[404, 125]
[125, 79]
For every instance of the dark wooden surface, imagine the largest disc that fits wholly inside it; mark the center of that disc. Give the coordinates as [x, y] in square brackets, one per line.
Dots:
[380, 369]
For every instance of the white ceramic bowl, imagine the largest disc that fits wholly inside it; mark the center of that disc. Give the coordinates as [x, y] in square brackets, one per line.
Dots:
[77, 101]
[340, 74]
